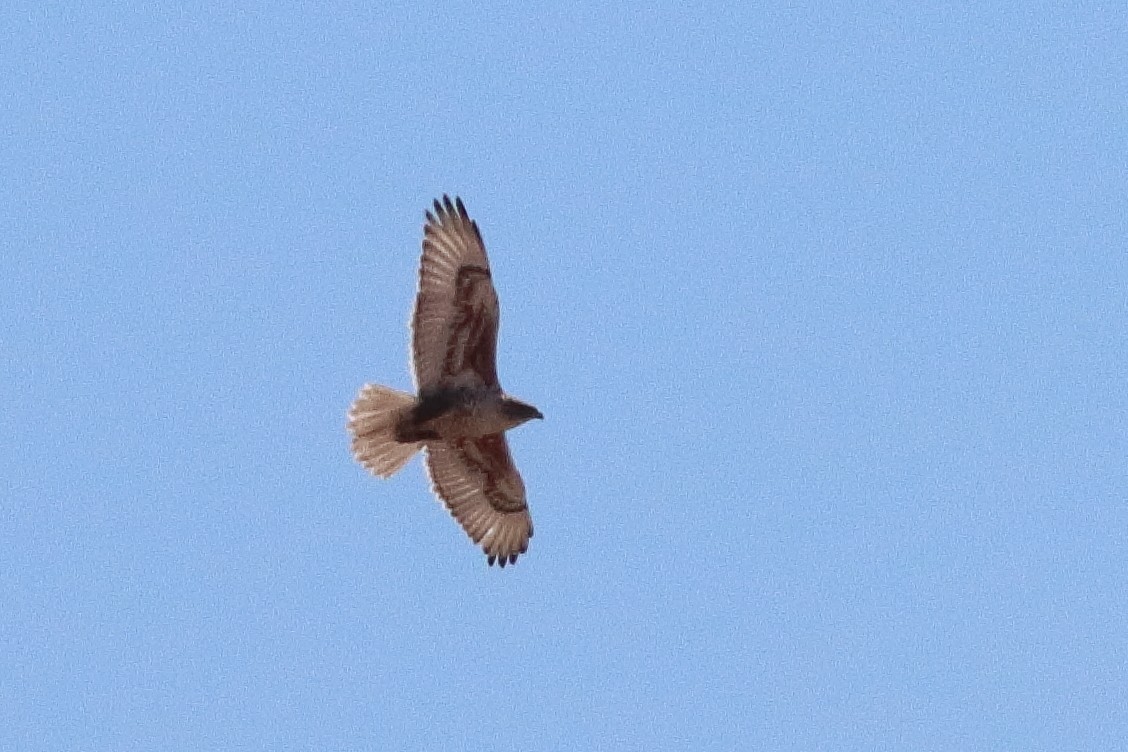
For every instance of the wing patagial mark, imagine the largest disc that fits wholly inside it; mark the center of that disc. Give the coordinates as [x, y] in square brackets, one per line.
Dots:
[472, 343]
[489, 458]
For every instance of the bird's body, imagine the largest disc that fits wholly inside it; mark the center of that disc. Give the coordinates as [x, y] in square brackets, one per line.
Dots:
[461, 413]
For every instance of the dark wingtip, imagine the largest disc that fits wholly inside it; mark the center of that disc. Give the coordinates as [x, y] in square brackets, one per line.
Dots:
[446, 207]
[504, 560]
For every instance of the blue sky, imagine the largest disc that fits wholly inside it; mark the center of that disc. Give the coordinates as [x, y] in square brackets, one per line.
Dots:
[825, 308]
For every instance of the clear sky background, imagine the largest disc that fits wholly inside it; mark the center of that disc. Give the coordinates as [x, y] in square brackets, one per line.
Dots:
[825, 309]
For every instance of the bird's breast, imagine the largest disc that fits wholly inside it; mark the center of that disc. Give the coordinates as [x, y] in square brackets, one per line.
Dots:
[466, 415]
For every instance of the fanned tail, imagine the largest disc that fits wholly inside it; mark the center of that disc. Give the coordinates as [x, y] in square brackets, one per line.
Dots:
[372, 423]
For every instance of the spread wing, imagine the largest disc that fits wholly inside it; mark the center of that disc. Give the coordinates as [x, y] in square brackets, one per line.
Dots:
[478, 483]
[454, 328]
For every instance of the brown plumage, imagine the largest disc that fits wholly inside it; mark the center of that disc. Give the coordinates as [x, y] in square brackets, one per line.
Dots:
[460, 414]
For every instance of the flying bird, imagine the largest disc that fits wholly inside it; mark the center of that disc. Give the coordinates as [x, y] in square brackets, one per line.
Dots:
[460, 414]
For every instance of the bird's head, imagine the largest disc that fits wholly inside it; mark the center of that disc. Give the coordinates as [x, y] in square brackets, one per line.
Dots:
[519, 411]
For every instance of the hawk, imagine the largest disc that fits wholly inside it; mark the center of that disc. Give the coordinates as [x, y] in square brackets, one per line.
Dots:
[460, 415]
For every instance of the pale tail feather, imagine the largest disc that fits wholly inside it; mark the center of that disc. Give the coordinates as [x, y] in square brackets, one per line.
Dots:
[372, 423]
